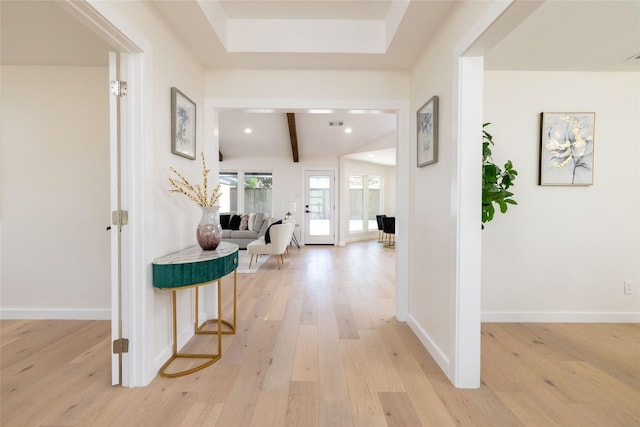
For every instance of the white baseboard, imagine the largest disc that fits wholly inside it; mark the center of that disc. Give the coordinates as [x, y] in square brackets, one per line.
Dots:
[184, 335]
[54, 314]
[560, 317]
[438, 355]
[363, 237]
[160, 359]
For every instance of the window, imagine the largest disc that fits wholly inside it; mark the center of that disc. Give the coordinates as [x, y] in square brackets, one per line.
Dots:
[229, 187]
[257, 192]
[356, 202]
[365, 197]
[374, 201]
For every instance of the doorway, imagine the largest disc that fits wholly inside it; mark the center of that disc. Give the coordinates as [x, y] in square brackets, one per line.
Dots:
[319, 207]
[73, 157]
[58, 121]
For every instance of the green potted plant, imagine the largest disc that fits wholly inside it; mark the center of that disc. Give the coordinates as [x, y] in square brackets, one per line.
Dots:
[495, 181]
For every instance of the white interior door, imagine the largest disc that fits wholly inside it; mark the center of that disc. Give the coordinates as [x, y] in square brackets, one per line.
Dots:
[320, 208]
[114, 182]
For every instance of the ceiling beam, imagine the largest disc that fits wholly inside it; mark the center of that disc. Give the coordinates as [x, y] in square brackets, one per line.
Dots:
[293, 135]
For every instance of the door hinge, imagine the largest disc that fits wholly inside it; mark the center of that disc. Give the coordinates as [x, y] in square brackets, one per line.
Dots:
[121, 346]
[118, 88]
[119, 217]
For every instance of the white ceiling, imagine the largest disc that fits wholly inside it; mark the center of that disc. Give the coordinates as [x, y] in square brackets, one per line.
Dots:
[309, 34]
[327, 34]
[319, 134]
[573, 36]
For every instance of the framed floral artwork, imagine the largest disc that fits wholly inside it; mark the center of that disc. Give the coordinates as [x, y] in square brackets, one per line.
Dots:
[427, 143]
[183, 125]
[566, 148]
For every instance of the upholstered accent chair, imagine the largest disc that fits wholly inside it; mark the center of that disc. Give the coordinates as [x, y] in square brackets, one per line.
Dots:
[279, 236]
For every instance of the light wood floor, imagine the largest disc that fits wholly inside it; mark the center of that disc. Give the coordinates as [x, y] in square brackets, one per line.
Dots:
[317, 345]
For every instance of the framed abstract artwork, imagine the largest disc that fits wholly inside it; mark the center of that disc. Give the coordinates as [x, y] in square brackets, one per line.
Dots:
[427, 143]
[183, 125]
[566, 148]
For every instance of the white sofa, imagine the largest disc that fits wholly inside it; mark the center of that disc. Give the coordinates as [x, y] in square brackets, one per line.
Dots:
[243, 237]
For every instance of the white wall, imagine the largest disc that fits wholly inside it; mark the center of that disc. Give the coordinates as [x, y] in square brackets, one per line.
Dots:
[55, 192]
[432, 241]
[307, 84]
[563, 253]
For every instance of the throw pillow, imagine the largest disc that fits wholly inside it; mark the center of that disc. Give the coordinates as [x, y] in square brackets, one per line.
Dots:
[267, 237]
[234, 222]
[263, 230]
[258, 220]
[252, 221]
[244, 222]
[224, 221]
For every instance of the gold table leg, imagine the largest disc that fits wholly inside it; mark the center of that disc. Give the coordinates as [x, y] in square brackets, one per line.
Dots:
[231, 325]
[210, 359]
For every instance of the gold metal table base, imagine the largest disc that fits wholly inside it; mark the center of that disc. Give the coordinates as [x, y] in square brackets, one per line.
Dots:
[231, 325]
[231, 328]
[209, 359]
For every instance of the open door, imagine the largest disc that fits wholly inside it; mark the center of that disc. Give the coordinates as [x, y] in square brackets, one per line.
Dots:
[118, 219]
[319, 209]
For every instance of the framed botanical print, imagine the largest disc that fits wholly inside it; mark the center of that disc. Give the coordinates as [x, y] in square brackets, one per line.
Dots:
[427, 143]
[183, 125]
[566, 148]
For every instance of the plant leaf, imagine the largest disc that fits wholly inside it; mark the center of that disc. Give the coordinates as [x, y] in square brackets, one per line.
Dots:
[495, 182]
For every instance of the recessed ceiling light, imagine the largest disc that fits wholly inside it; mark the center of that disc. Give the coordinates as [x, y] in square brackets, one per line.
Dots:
[348, 130]
[247, 130]
[318, 111]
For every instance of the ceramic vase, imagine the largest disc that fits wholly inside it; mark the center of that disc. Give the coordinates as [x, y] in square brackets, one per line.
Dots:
[209, 233]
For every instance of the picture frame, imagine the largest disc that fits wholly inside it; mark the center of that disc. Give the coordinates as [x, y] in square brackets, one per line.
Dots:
[427, 133]
[183, 125]
[567, 148]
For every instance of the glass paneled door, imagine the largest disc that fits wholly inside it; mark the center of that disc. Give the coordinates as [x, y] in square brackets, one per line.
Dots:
[319, 209]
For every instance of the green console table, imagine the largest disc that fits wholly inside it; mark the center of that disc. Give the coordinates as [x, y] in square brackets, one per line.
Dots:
[192, 268]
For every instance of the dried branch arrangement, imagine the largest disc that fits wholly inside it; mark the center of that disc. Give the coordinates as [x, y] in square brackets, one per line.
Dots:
[196, 193]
